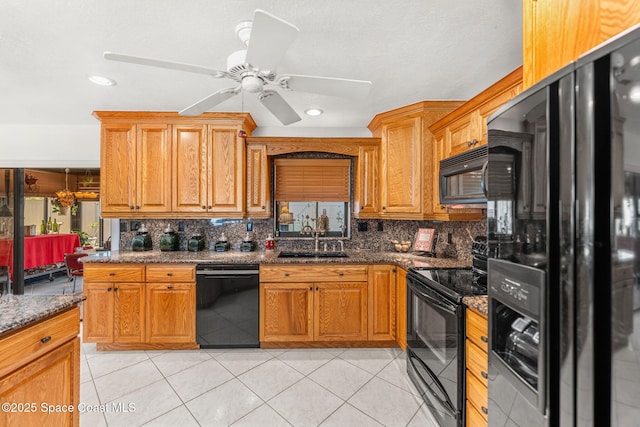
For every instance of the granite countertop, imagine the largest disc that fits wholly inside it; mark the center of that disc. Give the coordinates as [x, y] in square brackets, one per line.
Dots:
[478, 303]
[404, 260]
[17, 311]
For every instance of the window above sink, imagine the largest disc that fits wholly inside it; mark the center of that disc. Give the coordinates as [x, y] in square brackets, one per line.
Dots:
[312, 196]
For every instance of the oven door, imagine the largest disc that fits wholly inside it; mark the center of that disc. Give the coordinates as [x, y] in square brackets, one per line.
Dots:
[435, 350]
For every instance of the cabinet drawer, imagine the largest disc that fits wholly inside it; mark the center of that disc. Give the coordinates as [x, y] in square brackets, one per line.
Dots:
[477, 362]
[113, 273]
[478, 330]
[477, 394]
[474, 417]
[173, 273]
[28, 344]
[313, 273]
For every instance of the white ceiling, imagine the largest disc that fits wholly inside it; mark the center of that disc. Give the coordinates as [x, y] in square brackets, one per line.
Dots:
[412, 50]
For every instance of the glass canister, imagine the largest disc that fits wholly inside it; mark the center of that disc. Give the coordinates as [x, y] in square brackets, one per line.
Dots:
[169, 240]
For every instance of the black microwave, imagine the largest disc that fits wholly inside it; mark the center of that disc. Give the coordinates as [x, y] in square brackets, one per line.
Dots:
[462, 178]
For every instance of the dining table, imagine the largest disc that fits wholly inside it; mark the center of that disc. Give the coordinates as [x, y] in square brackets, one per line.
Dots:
[39, 251]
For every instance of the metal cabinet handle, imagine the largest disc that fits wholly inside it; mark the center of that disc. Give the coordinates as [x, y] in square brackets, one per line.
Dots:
[484, 375]
[130, 206]
[109, 289]
[485, 410]
[317, 288]
[169, 274]
[169, 287]
[484, 339]
[204, 207]
[261, 207]
[115, 289]
[472, 142]
[112, 274]
[210, 206]
[340, 274]
[137, 207]
[286, 274]
[310, 288]
[46, 339]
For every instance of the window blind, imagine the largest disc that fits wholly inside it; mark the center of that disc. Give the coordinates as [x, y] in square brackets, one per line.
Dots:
[308, 180]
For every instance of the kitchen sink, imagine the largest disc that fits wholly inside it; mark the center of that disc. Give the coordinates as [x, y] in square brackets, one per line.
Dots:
[318, 254]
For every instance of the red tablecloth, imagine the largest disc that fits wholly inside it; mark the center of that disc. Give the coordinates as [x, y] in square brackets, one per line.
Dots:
[40, 250]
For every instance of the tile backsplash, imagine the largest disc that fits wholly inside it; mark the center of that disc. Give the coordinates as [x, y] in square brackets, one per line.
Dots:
[454, 238]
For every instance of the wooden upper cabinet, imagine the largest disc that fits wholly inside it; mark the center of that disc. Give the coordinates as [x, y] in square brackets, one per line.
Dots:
[190, 171]
[367, 186]
[118, 165]
[153, 168]
[463, 129]
[208, 169]
[557, 32]
[401, 183]
[226, 169]
[162, 163]
[258, 188]
[138, 164]
[405, 156]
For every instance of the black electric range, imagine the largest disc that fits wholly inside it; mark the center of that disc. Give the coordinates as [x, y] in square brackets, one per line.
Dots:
[455, 283]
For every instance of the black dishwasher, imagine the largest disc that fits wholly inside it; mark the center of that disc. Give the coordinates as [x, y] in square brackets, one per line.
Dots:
[227, 305]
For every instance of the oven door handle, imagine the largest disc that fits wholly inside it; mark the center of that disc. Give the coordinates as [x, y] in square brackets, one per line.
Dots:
[449, 308]
[441, 394]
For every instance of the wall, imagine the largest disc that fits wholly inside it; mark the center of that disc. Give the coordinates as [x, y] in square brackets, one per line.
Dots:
[462, 234]
[33, 146]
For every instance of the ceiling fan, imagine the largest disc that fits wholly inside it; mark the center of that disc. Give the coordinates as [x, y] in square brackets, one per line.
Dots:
[267, 38]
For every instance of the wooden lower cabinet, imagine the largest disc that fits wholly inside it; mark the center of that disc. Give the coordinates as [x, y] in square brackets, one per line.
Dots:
[350, 305]
[477, 364]
[34, 372]
[340, 312]
[299, 312]
[171, 312]
[286, 312]
[127, 312]
[382, 302]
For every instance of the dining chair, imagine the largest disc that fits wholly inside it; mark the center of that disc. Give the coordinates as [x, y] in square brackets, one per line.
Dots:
[75, 269]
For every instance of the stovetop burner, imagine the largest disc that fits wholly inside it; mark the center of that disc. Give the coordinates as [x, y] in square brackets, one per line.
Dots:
[454, 282]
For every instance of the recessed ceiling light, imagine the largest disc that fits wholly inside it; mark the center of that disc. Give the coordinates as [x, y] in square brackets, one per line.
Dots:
[101, 80]
[313, 112]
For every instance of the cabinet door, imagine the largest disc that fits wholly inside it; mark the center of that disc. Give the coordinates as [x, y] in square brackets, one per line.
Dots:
[118, 166]
[340, 311]
[226, 173]
[153, 171]
[367, 181]
[401, 183]
[190, 171]
[171, 316]
[285, 312]
[128, 317]
[97, 318]
[382, 303]
[258, 197]
[53, 379]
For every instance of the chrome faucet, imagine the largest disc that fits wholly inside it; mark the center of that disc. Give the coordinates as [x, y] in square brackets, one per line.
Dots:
[341, 245]
[316, 236]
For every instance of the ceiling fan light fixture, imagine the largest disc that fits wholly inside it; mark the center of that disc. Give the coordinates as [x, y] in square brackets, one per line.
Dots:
[252, 84]
[313, 112]
[243, 31]
[101, 80]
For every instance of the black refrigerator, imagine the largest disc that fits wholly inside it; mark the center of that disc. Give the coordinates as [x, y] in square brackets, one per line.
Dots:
[563, 230]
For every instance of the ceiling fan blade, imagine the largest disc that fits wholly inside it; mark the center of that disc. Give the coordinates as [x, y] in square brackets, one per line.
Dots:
[345, 88]
[278, 107]
[165, 64]
[270, 38]
[210, 101]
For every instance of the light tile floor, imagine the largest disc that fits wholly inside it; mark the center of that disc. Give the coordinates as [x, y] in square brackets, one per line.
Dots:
[249, 387]
[245, 387]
